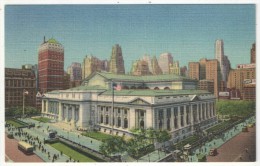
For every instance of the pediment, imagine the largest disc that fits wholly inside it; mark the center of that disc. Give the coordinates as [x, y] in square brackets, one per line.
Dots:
[139, 101]
[195, 98]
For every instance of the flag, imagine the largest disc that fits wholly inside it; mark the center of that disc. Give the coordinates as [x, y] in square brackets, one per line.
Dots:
[25, 92]
[117, 87]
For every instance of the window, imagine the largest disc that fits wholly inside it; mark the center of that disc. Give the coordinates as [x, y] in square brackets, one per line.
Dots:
[125, 111]
[160, 124]
[119, 122]
[175, 111]
[125, 123]
[118, 110]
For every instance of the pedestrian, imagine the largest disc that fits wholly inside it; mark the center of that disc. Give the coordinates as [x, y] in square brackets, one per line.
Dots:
[91, 141]
[241, 157]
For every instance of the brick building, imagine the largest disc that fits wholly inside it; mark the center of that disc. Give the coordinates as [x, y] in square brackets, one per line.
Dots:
[51, 65]
[16, 82]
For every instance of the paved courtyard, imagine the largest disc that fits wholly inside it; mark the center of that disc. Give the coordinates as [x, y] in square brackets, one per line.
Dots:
[75, 136]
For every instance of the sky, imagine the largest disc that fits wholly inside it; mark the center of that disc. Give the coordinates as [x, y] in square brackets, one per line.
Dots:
[188, 32]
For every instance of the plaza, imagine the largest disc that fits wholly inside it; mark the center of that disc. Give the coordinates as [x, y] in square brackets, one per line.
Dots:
[76, 138]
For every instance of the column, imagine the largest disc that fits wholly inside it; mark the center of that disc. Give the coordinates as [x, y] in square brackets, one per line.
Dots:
[43, 106]
[197, 112]
[201, 111]
[210, 113]
[145, 119]
[184, 116]
[104, 115]
[205, 110]
[191, 115]
[73, 115]
[172, 118]
[122, 117]
[60, 111]
[179, 117]
[132, 119]
[47, 106]
[211, 108]
[164, 119]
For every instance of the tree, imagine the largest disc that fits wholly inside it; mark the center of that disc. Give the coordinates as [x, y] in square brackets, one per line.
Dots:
[112, 146]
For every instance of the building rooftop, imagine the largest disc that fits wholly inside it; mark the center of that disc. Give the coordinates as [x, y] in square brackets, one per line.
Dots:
[148, 78]
[155, 92]
[52, 40]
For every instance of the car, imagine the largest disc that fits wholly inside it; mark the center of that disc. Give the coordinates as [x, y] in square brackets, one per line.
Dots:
[213, 152]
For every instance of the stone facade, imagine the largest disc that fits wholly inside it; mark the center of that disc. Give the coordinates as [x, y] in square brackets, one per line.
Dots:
[181, 112]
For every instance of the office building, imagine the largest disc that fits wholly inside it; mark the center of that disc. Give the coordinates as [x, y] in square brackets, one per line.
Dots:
[164, 61]
[18, 81]
[50, 65]
[117, 61]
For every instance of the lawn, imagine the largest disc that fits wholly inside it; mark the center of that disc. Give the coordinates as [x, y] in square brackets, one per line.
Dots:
[42, 119]
[71, 152]
[188, 140]
[220, 126]
[97, 135]
[16, 123]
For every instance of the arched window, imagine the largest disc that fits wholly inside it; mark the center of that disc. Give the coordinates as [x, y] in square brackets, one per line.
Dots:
[166, 88]
[156, 88]
[125, 123]
[119, 122]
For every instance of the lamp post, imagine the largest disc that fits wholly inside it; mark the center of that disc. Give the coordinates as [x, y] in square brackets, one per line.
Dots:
[24, 92]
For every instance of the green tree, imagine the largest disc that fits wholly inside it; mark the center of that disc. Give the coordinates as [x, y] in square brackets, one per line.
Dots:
[112, 146]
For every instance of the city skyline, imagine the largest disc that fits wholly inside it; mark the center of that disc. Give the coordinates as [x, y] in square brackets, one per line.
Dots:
[188, 32]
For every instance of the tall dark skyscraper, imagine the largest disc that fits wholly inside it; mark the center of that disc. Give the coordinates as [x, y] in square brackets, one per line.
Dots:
[117, 61]
[50, 65]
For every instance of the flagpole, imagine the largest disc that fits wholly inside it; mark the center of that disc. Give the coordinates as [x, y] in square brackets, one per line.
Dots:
[113, 107]
[23, 103]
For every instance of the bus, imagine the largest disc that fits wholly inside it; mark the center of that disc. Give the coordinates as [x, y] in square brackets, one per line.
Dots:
[25, 147]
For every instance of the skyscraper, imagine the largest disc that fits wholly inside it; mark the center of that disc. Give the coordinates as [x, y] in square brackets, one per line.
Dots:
[74, 70]
[222, 59]
[92, 64]
[213, 73]
[50, 65]
[117, 61]
[140, 68]
[194, 70]
[175, 68]
[156, 70]
[165, 59]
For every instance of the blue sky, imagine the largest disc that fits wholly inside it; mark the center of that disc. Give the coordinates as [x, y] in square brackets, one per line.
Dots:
[187, 31]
